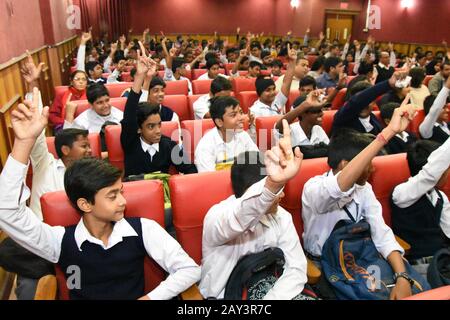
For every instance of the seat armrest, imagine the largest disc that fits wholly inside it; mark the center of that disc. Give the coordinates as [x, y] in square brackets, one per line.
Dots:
[193, 293]
[405, 245]
[46, 288]
[312, 272]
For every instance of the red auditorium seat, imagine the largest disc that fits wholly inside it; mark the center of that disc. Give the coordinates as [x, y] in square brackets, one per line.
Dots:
[178, 103]
[311, 59]
[116, 89]
[192, 131]
[94, 141]
[442, 293]
[350, 78]
[115, 151]
[338, 101]
[188, 220]
[427, 79]
[415, 123]
[201, 86]
[293, 95]
[126, 77]
[191, 101]
[161, 74]
[228, 67]
[327, 120]
[243, 84]
[57, 211]
[60, 90]
[246, 99]
[264, 132]
[176, 87]
[83, 105]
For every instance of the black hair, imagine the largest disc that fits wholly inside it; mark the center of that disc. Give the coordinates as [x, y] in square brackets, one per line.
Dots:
[308, 81]
[220, 84]
[346, 144]
[277, 63]
[420, 56]
[248, 168]
[96, 91]
[231, 50]
[118, 56]
[254, 64]
[210, 55]
[79, 184]
[211, 62]
[417, 77]
[219, 105]
[358, 87]
[365, 68]
[67, 137]
[73, 74]
[331, 62]
[90, 66]
[255, 44]
[428, 103]
[157, 81]
[177, 63]
[387, 110]
[318, 63]
[144, 111]
[418, 153]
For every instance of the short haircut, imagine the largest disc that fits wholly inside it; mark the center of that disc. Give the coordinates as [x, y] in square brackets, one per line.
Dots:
[308, 81]
[417, 77]
[67, 137]
[231, 50]
[387, 110]
[177, 63]
[255, 44]
[248, 168]
[365, 68]
[418, 153]
[118, 56]
[212, 62]
[428, 103]
[420, 56]
[318, 63]
[96, 91]
[220, 104]
[254, 64]
[144, 111]
[79, 184]
[90, 66]
[220, 84]
[210, 55]
[277, 63]
[331, 62]
[358, 87]
[157, 81]
[346, 144]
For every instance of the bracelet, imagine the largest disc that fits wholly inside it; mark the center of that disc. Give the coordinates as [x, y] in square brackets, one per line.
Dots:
[382, 139]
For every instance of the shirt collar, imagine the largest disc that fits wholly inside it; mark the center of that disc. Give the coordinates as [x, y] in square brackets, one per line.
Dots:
[121, 229]
[382, 66]
[146, 147]
[218, 140]
[60, 164]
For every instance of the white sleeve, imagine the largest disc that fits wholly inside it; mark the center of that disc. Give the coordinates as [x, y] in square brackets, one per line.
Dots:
[426, 127]
[280, 101]
[445, 216]
[408, 193]
[168, 75]
[107, 65]
[81, 56]
[19, 222]
[112, 78]
[205, 158]
[144, 96]
[167, 252]
[393, 59]
[344, 52]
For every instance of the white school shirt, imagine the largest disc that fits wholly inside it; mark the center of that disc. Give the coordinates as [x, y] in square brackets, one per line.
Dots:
[322, 207]
[201, 106]
[237, 227]
[205, 76]
[426, 127]
[299, 137]
[212, 150]
[168, 76]
[19, 222]
[423, 183]
[260, 109]
[91, 121]
[152, 149]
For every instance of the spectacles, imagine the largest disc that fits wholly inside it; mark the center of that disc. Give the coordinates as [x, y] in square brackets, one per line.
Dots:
[79, 79]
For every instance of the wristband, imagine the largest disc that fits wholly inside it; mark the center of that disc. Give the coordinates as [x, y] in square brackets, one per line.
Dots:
[382, 139]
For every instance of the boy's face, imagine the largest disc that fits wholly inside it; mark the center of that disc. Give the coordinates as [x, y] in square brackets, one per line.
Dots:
[132, 54]
[121, 65]
[231, 57]
[268, 60]
[223, 93]
[109, 204]
[349, 58]
[305, 90]
[156, 95]
[301, 68]
[97, 72]
[268, 95]
[233, 119]
[313, 117]
[254, 72]
[189, 57]
[276, 71]
[245, 65]
[81, 148]
[102, 107]
[150, 130]
[256, 52]
[213, 72]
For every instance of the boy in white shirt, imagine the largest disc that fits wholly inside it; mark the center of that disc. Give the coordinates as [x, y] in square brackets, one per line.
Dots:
[219, 87]
[219, 146]
[213, 66]
[326, 198]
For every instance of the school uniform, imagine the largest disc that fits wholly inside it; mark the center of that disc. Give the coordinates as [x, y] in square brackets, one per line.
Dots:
[400, 142]
[93, 122]
[430, 128]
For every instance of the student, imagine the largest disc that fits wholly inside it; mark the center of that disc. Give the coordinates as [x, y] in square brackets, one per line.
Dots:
[436, 124]
[317, 67]
[213, 67]
[251, 221]
[218, 147]
[307, 131]
[267, 59]
[153, 93]
[307, 85]
[300, 71]
[396, 95]
[75, 92]
[418, 91]
[334, 70]
[219, 87]
[270, 102]
[357, 112]
[437, 83]
[103, 239]
[401, 141]
[254, 69]
[326, 198]
[385, 68]
[146, 150]
[255, 52]
[97, 115]
[276, 67]
[176, 68]
[420, 212]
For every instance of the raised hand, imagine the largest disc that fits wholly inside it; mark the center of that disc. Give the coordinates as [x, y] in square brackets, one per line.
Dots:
[321, 36]
[238, 30]
[242, 53]
[402, 116]
[398, 75]
[114, 47]
[30, 71]
[70, 109]
[292, 53]
[308, 30]
[313, 98]
[173, 52]
[391, 46]
[85, 37]
[281, 163]
[342, 79]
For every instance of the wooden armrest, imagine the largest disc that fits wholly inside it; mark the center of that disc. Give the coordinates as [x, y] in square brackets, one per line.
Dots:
[46, 288]
[193, 293]
[312, 272]
[405, 245]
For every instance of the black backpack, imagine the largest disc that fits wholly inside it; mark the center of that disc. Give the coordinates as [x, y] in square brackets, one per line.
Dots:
[439, 270]
[253, 270]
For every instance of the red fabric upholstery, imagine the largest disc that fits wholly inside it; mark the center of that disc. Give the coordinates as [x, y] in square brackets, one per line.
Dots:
[126, 77]
[229, 67]
[192, 131]
[293, 95]
[115, 151]
[116, 89]
[293, 190]
[427, 79]
[246, 99]
[311, 59]
[73, 69]
[338, 101]
[327, 120]
[350, 78]
[191, 101]
[94, 141]
[264, 129]
[201, 86]
[177, 87]
[243, 84]
[188, 219]
[178, 103]
[442, 293]
[389, 172]
[415, 123]
[59, 92]
[57, 211]
[83, 105]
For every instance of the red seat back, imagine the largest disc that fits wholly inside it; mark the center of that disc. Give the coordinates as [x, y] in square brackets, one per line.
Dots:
[229, 67]
[243, 84]
[264, 132]
[116, 89]
[191, 101]
[83, 105]
[201, 192]
[293, 95]
[192, 131]
[60, 91]
[57, 211]
[201, 86]
[427, 79]
[177, 87]
[327, 120]
[416, 122]
[94, 141]
[246, 99]
[311, 59]
[178, 103]
[126, 77]
[339, 99]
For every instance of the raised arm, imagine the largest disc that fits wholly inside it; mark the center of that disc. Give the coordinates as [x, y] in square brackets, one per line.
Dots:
[287, 81]
[81, 55]
[392, 57]
[243, 53]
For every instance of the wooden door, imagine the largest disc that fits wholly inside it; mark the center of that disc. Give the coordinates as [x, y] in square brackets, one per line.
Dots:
[338, 26]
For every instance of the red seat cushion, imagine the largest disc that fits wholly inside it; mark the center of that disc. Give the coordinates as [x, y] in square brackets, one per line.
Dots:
[192, 131]
[178, 103]
[201, 86]
[264, 132]
[339, 99]
[247, 99]
[327, 120]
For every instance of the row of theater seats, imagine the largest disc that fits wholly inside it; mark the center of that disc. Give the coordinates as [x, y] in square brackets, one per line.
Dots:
[188, 220]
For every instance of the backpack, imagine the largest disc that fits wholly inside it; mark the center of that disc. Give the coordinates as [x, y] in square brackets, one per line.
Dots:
[319, 150]
[158, 175]
[439, 270]
[355, 269]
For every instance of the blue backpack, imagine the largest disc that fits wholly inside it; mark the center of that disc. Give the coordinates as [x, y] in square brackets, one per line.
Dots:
[355, 269]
